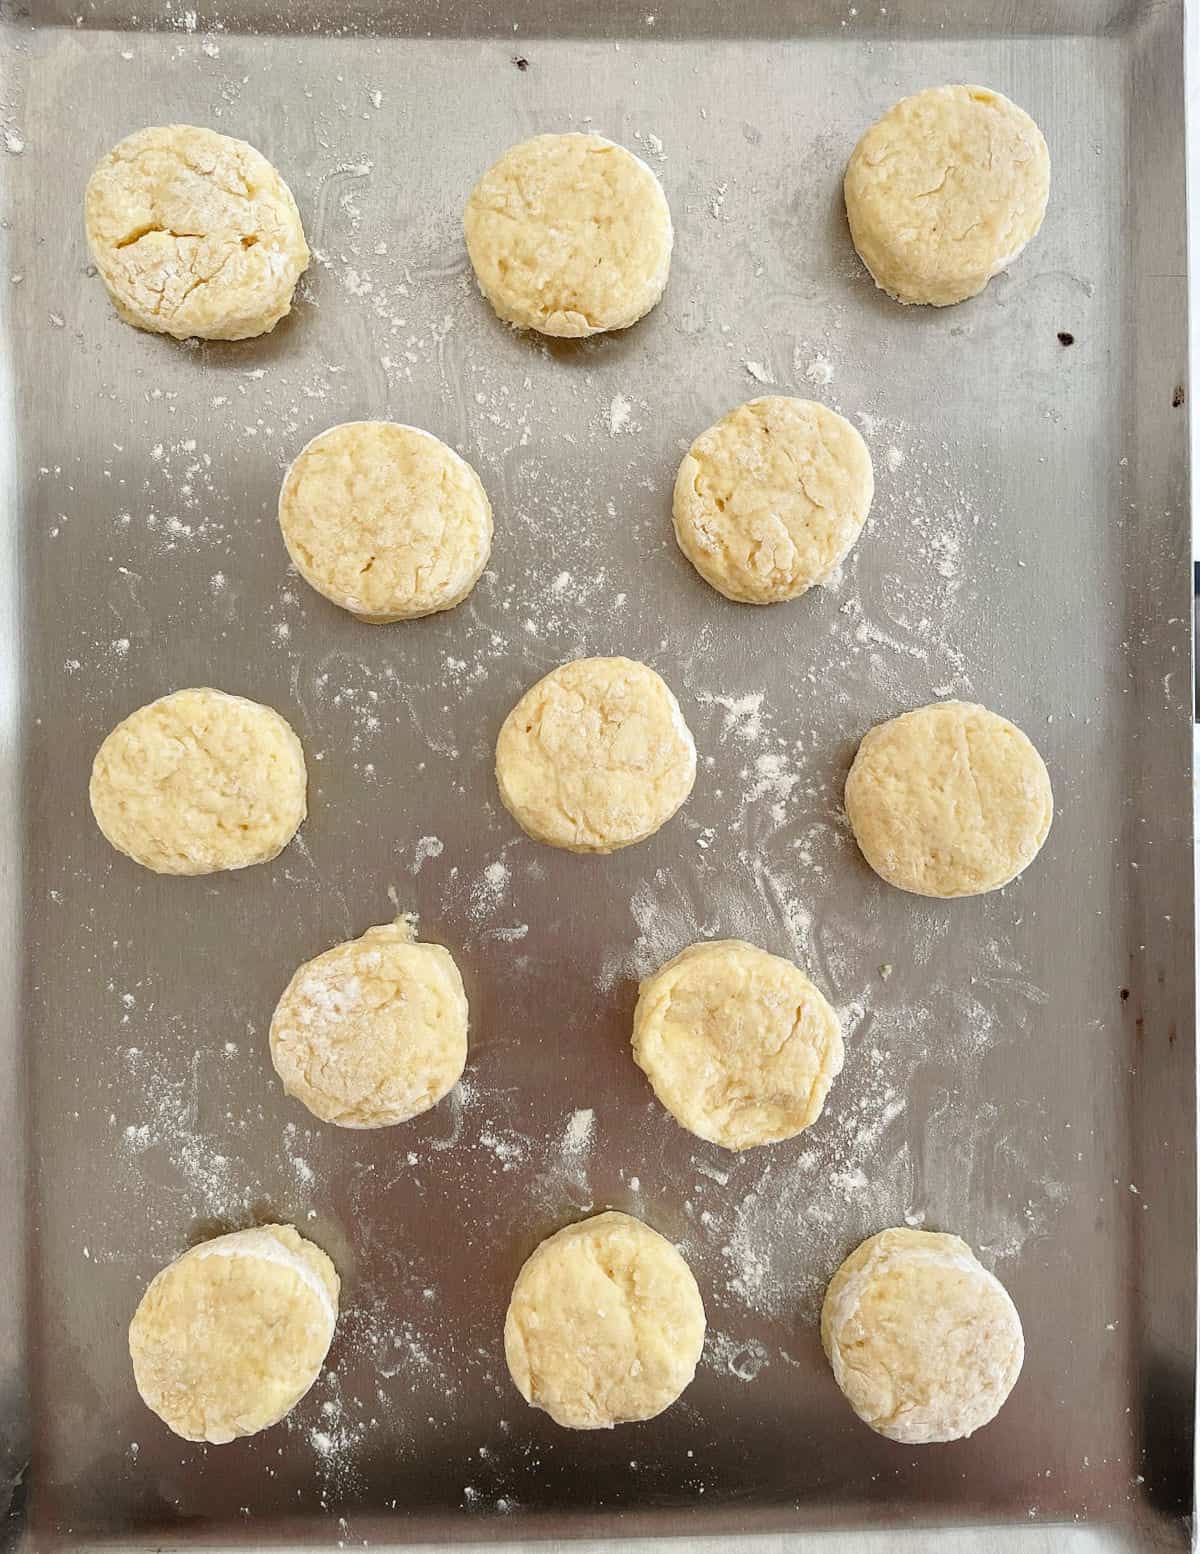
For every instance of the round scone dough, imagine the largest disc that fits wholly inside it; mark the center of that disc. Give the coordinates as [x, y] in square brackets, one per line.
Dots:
[195, 234]
[385, 520]
[200, 781]
[374, 1031]
[945, 191]
[230, 1336]
[605, 1324]
[738, 1044]
[569, 235]
[949, 800]
[924, 1341]
[595, 756]
[769, 499]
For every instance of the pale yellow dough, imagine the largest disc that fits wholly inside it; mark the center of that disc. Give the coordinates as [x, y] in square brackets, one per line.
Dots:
[569, 235]
[374, 1031]
[595, 756]
[945, 191]
[199, 781]
[924, 1341]
[739, 1045]
[229, 1337]
[605, 1324]
[385, 520]
[949, 800]
[194, 234]
[769, 499]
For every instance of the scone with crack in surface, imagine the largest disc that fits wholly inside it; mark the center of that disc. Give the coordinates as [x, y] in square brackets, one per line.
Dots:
[605, 1324]
[949, 800]
[945, 191]
[769, 500]
[569, 235]
[739, 1045]
[373, 1031]
[199, 781]
[925, 1343]
[595, 756]
[385, 520]
[194, 234]
[229, 1337]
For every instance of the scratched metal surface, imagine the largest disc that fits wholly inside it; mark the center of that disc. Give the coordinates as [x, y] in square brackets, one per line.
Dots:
[1024, 1072]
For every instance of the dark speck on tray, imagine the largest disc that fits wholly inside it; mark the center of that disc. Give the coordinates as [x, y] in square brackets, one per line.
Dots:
[1065, 337]
[520, 62]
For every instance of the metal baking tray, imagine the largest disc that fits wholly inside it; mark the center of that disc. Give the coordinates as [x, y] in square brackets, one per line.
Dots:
[1019, 1067]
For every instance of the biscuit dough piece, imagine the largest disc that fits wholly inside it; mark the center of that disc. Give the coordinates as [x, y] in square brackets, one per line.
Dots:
[739, 1045]
[595, 756]
[374, 1031]
[569, 235]
[230, 1336]
[385, 520]
[769, 499]
[605, 1324]
[199, 781]
[924, 1341]
[194, 234]
[949, 800]
[945, 191]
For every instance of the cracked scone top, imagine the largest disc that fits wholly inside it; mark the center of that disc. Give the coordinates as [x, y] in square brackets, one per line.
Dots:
[194, 234]
[373, 1031]
[948, 800]
[230, 1336]
[595, 756]
[605, 1324]
[945, 191]
[924, 1342]
[569, 235]
[769, 499]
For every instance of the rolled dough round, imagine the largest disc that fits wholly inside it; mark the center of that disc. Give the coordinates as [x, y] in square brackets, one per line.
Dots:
[569, 235]
[385, 520]
[945, 191]
[374, 1031]
[595, 756]
[605, 1324]
[194, 234]
[769, 499]
[230, 1336]
[199, 781]
[739, 1045]
[924, 1341]
[949, 800]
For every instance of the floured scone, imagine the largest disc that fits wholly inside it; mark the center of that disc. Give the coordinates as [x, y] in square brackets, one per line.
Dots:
[569, 235]
[924, 1341]
[605, 1324]
[374, 1031]
[200, 781]
[230, 1336]
[595, 756]
[945, 191]
[194, 234]
[385, 520]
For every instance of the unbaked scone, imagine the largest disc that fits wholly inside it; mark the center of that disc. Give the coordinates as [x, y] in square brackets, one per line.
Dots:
[194, 233]
[230, 1336]
[945, 191]
[200, 781]
[373, 1031]
[569, 235]
[595, 756]
[949, 800]
[385, 520]
[770, 498]
[605, 1324]
[738, 1044]
[924, 1341]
